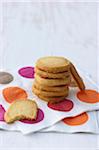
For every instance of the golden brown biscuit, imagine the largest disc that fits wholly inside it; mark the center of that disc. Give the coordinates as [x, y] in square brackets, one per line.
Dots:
[47, 99]
[52, 99]
[56, 64]
[52, 75]
[73, 82]
[21, 109]
[52, 82]
[49, 94]
[76, 77]
[53, 64]
[50, 88]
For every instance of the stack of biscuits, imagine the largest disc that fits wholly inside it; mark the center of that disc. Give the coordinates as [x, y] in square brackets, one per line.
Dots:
[52, 78]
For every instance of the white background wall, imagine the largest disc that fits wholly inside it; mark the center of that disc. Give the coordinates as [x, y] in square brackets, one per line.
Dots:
[31, 30]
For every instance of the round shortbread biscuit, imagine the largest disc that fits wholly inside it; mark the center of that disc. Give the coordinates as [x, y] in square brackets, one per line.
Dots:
[49, 94]
[73, 82]
[50, 88]
[52, 75]
[77, 77]
[52, 82]
[53, 64]
[21, 109]
[56, 99]
[47, 99]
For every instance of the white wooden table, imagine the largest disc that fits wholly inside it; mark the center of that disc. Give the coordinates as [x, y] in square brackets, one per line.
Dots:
[31, 30]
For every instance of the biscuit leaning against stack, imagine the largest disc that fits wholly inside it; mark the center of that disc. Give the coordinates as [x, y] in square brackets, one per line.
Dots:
[53, 77]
